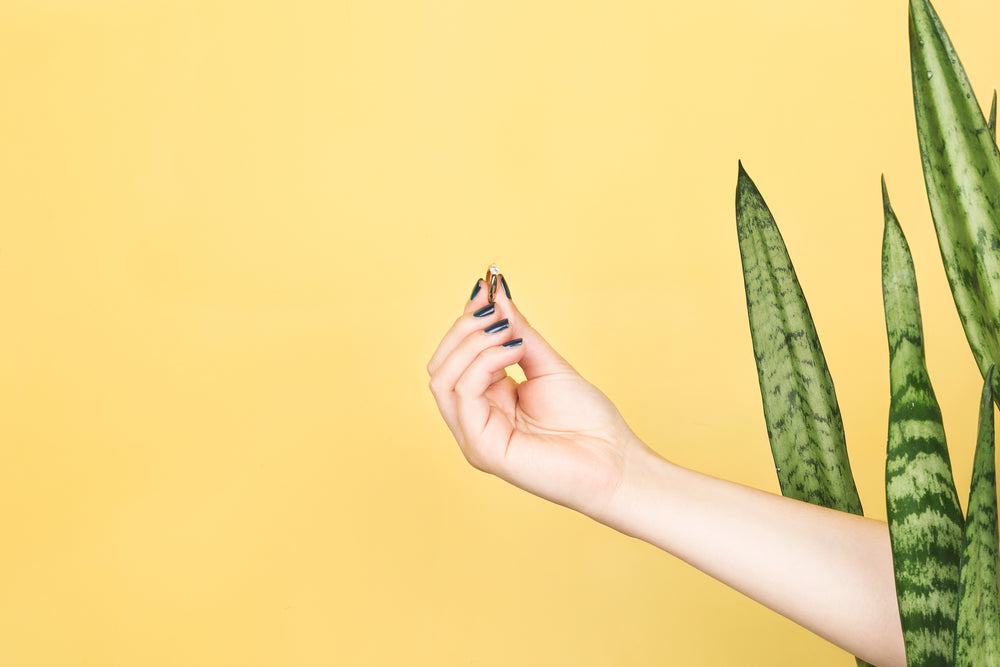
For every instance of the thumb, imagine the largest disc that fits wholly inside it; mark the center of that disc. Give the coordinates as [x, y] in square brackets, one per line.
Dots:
[539, 357]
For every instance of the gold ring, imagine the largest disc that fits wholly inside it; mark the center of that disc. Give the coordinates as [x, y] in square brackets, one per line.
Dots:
[492, 280]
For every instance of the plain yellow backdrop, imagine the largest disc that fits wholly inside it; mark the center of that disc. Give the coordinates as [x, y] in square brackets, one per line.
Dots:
[232, 233]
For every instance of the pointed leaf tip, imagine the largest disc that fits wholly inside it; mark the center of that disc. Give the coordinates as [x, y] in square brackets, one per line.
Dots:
[747, 197]
[892, 226]
[745, 184]
[924, 515]
[741, 176]
[991, 124]
[803, 418]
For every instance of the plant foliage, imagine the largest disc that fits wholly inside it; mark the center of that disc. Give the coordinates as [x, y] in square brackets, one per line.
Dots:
[800, 404]
[946, 566]
[979, 595]
[962, 174]
[925, 518]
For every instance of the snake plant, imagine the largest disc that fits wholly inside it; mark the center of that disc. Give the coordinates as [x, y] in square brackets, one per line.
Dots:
[962, 174]
[946, 565]
[925, 518]
[978, 629]
[800, 405]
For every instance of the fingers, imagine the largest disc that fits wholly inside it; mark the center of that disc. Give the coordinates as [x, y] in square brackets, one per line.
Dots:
[539, 358]
[484, 407]
[476, 313]
[486, 333]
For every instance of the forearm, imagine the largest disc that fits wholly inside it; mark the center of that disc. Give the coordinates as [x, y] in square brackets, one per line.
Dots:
[829, 571]
[559, 437]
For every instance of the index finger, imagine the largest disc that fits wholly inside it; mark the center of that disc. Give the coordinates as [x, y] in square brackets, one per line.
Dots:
[462, 327]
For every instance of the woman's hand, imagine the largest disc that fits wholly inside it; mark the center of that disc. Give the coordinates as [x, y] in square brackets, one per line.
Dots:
[555, 434]
[558, 437]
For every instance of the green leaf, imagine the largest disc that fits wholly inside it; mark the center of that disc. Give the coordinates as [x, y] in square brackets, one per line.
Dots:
[962, 174]
[925, 519]
[992, 124]
[978, 642]
[800, 405]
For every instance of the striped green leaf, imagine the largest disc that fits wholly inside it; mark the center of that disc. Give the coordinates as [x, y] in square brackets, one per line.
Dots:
[962, 173]
[800, 405]
[978, 643]
[925, 519]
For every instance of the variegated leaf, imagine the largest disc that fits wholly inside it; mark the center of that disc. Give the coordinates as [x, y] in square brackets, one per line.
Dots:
[800, 405]
[978, 643]
[961, 167]
[925, 519]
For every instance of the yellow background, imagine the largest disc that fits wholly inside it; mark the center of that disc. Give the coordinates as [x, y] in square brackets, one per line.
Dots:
[232, 233]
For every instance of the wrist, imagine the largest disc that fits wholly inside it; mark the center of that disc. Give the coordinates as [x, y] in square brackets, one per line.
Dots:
[642, 470]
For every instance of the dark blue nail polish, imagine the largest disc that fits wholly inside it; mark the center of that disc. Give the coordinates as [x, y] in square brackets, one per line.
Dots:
[497, 326]
[513, 343]
[503, 283]
[475, 290]
[488, 309]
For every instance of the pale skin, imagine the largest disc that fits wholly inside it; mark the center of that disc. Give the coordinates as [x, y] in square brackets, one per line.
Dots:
[557, 436]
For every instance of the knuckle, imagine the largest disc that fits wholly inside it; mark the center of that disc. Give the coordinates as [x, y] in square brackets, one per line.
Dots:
[475, 458]
[464, 387]
[435, 385]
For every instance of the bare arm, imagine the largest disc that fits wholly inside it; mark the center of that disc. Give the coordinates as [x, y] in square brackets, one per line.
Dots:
[829, 571]
[560, 438]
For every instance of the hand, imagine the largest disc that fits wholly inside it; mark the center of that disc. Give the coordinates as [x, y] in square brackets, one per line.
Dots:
[560, 438]
[554, 435]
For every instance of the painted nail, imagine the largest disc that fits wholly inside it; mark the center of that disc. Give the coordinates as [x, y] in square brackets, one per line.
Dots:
[503, 283]
[475, 290]
[488, 309]
[513, 343]
[497, 326]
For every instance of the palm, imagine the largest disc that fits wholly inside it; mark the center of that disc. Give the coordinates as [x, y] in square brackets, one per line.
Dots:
[554, 435]
[565, 438]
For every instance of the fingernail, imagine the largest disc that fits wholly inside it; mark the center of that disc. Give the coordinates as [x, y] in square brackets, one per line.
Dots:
[488, 309]
[497, 326]
[475, 290]
[503, 283]
[513, 343]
